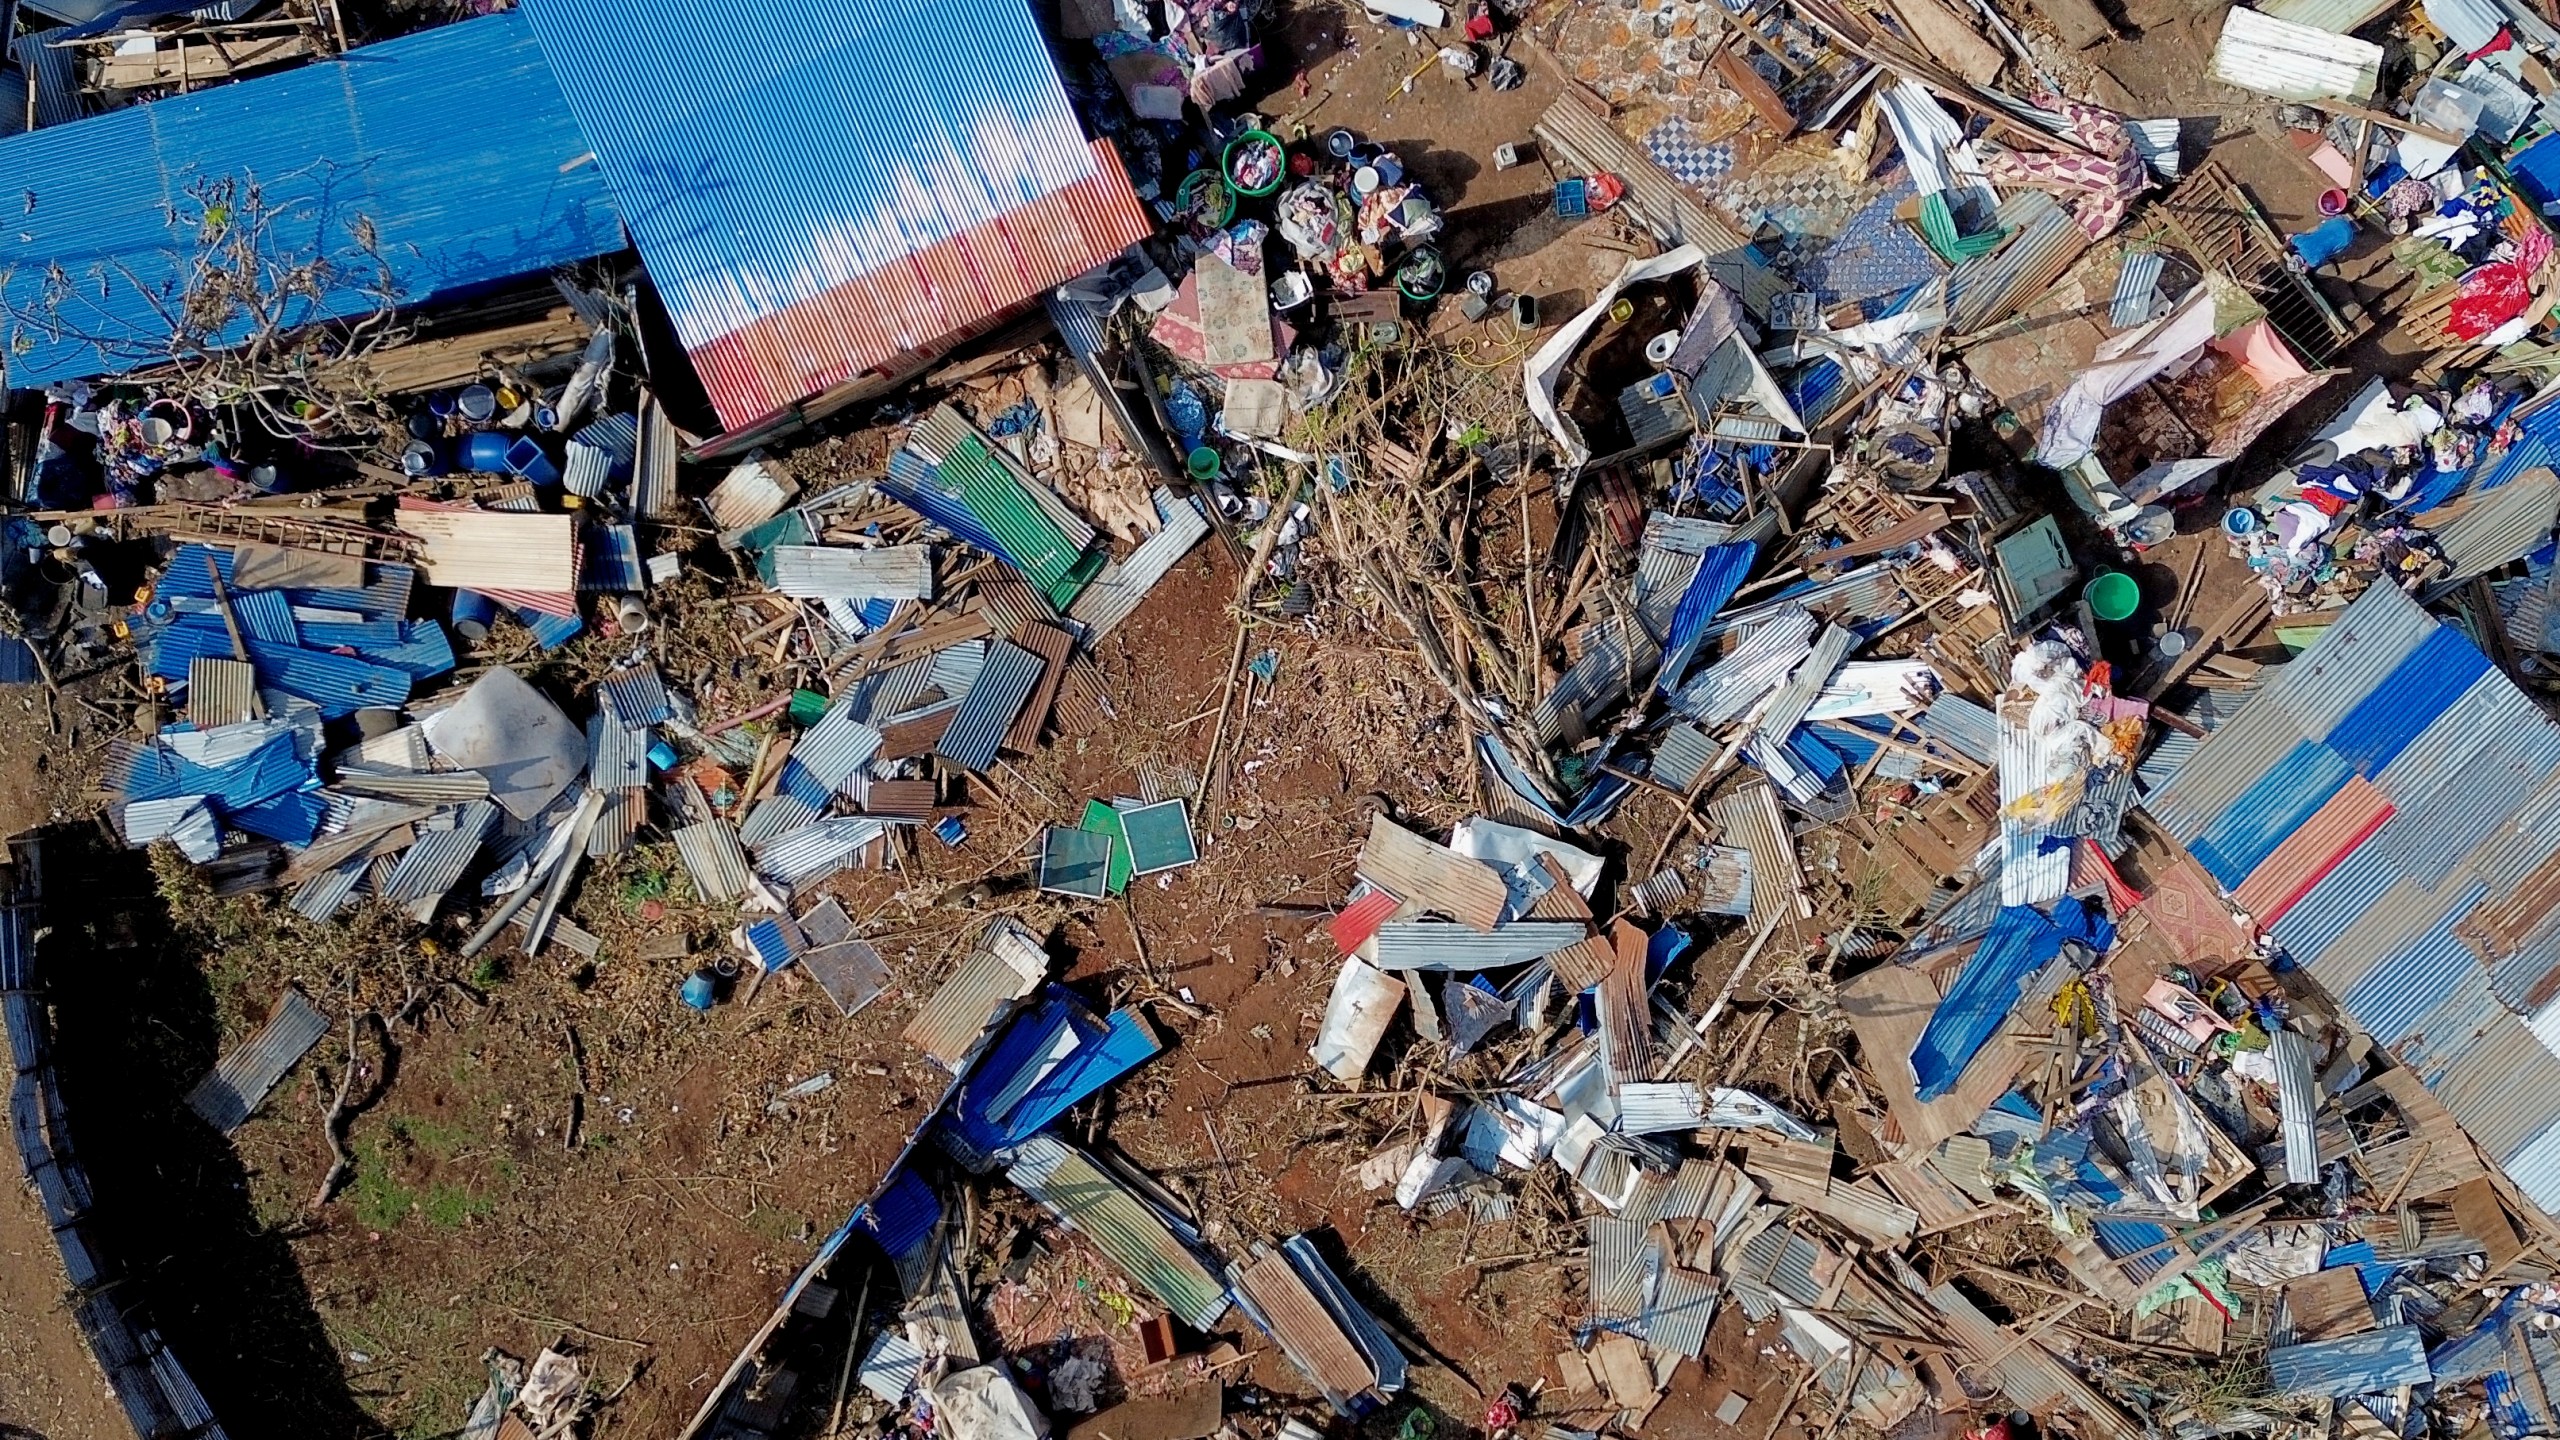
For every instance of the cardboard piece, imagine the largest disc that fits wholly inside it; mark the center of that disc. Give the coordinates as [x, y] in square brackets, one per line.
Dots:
[1187, 1414]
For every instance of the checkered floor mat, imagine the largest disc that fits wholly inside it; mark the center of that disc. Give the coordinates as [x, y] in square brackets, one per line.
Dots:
[1676, 148]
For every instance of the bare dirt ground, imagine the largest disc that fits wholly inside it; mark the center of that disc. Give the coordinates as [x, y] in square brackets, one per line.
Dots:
[562, 1152]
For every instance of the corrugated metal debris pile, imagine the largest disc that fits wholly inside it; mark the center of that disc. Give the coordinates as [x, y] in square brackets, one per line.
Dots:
[1024, 1054]
[2258, 1205]
[939, 613]
[2445, 159]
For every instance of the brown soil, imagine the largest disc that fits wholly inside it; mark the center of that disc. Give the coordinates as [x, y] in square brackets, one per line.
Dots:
[656, 1234]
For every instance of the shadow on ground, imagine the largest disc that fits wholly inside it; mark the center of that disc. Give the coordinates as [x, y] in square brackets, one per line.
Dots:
[135, 1028]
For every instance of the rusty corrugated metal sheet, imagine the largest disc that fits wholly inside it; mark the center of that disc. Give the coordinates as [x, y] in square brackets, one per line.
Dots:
[1431, 875]
[1752, 819]
[2346, 821]
[919, 302]
[1007, 963]
[1290, 1311]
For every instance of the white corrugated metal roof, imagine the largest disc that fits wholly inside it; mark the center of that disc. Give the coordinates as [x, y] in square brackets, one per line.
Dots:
[2268, 56]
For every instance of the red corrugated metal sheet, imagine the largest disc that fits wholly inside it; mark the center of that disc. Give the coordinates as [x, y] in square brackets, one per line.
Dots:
[2347, 820]
[763, 368]
[1361, 918]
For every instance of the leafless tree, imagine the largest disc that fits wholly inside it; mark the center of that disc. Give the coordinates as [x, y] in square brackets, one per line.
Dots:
[271, 313]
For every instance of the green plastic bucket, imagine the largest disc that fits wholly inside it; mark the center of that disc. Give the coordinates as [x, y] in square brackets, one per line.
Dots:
[2113, 595]
[1250, 141]
[1204, 196]
[1204, 463]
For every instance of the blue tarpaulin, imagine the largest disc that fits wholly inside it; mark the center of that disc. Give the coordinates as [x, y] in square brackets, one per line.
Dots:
[2021, 941]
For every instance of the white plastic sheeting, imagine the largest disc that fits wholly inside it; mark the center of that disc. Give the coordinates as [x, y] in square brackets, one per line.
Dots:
[2124, 363]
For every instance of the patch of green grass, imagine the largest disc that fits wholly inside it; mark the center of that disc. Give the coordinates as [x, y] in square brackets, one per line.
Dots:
[450, 1207]
[488, 972]
[433, 1136]
[776, 1225]
[380, 1201]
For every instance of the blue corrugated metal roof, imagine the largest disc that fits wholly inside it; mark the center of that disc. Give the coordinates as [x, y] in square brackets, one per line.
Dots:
[266, 614]
[1720, 573]
[904, 1214]
[454, 144]
[383, 596]
[154, 771]
[340, 685]
[2269, 810]
[2317, 920]
[1024, 1082]
[2396, 994]
[2378, 1360]
[2418, 689]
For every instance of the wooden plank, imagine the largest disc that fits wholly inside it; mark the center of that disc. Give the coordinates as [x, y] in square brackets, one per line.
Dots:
[2080, 23]
[1888, 1008]
[1939, 1204]
[195, 62]
[1802, 1165]
[2477, 1211]
[1927, 522]
[1764, 101]
[2328, 1303]
[1948, 35]
[437, 362]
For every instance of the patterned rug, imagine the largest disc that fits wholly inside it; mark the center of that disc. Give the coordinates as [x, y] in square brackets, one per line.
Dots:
[1694, 163]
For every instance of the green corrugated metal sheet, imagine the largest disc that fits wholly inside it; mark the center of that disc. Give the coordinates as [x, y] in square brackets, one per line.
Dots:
[1121, 1226]
[1038, 548]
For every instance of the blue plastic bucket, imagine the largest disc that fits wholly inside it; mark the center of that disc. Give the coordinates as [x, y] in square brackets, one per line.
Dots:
[473, 613]
[485, 451]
